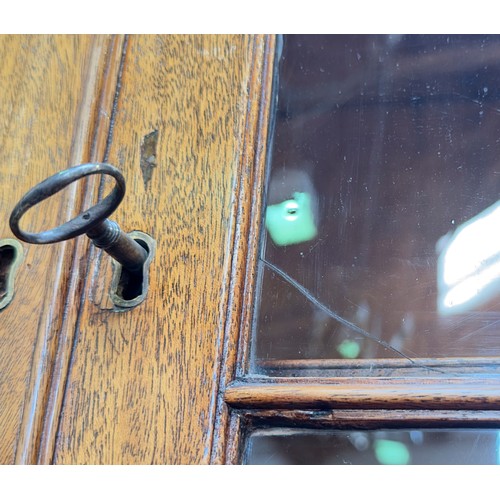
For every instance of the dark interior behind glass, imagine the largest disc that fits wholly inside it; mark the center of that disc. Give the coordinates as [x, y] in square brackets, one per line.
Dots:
[382, 203]
[384, 447]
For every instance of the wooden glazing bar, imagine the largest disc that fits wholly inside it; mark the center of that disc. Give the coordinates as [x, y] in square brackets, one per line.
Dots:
[475, 393]
[370, 419]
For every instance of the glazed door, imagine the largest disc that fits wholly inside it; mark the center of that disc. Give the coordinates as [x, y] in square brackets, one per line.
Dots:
[83, 381]
[253, 340]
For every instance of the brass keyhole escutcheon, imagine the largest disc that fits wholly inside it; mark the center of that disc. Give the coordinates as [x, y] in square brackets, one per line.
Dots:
[11, 255]
[129, 289]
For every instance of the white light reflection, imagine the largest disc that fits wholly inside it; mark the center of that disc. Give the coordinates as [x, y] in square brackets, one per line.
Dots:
[469, 264]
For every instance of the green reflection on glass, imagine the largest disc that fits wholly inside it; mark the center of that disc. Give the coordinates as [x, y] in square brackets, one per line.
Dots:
[291, 221]
[390, 452]
[349, 349]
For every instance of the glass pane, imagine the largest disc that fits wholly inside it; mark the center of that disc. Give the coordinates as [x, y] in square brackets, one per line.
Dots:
[410, 447]
[382, 219]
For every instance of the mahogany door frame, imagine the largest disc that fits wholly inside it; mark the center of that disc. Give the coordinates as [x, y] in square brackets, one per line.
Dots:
[433, 393]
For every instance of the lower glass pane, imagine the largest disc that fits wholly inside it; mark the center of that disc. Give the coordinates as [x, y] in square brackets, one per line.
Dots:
[387, 447]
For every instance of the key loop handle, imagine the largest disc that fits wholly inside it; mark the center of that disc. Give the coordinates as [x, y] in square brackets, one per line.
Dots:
[81, 223]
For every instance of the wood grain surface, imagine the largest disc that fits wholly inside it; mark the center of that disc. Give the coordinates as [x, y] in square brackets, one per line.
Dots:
[246, 247]
[143, 383]
[48, 89]
[458, 393]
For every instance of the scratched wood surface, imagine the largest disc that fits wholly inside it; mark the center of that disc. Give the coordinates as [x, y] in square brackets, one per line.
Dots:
[142, 386]
[48, 89]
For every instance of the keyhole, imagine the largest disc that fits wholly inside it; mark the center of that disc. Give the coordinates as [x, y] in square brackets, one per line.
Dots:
[130, 285]
[11, 253]
[128, 289]
[7, 254]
